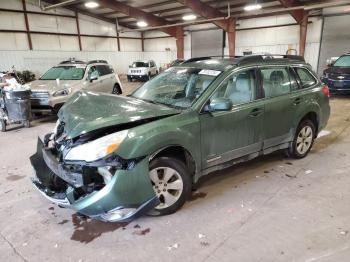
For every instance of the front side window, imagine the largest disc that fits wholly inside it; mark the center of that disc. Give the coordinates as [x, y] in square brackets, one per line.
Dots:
[177, 87]
[93, 72]
[240, 87]
[343, 61]
[275, 81]
[64, 73]
[305, 77]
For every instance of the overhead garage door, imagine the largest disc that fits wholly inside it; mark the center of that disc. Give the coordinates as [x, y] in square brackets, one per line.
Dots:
[207, 43]
[335, 39]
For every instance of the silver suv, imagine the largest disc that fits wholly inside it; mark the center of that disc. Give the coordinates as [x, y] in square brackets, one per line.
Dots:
[54, 88]
[142, 70]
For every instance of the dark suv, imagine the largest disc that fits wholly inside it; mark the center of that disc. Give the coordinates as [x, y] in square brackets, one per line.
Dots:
[337, 76]
[113, 158]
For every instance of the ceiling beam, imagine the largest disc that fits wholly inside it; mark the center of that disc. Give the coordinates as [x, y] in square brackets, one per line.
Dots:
[180, 8]
[157, 4]
[233, 9]
[296, 14]
[205, 11]
[134, 12]
[96, 16]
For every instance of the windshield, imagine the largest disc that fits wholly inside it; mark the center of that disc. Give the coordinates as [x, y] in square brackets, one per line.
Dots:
[343, 61]
[177, 87]
[64, 73]
[139, 64]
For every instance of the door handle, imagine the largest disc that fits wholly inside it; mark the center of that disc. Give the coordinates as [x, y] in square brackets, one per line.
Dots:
[256, 112]
[297, 101]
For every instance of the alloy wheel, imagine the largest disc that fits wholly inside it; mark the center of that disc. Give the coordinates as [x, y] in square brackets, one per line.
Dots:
[167, 184]
[304, 140]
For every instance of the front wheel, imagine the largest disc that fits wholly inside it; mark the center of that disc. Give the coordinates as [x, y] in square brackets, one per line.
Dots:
[303, 139]
[172, 184]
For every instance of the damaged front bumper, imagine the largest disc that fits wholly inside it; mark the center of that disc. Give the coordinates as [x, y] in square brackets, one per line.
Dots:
[127, 195]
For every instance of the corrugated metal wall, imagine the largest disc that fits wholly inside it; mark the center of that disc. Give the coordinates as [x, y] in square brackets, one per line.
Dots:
[207, 43]
[40, 61]
[50, 49]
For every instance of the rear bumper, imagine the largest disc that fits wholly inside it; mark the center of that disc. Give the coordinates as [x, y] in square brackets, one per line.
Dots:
[126, 196]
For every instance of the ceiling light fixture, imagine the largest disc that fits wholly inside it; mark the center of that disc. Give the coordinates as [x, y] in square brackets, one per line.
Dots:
[252, 7]
[142, 24]
[189, 17]
[91, 4]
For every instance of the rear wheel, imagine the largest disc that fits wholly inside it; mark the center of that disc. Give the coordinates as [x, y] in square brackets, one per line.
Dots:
[303, 139]
[117, 90]
[171, 183]
[2, 125]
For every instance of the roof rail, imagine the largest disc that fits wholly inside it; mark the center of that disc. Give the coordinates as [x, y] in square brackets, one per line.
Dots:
[97, 61]
[195, 59]
[72, 61]
[260, 58]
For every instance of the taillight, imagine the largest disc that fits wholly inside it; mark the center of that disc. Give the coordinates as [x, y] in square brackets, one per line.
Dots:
[325, 91]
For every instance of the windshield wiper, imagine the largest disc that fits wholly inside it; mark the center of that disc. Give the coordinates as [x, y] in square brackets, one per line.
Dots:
[154, 102]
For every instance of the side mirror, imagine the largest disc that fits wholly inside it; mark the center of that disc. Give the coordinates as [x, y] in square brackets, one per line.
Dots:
[93, 76]
[219, 104]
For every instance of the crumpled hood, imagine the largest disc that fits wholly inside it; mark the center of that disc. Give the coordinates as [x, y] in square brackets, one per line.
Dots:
[338, 70]
[87, 111]
[52, 85]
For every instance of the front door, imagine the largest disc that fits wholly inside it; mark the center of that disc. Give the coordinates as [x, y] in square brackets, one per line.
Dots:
[92, 85]
[227, 135]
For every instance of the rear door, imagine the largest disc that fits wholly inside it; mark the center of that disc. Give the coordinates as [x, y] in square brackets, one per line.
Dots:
[277, 83]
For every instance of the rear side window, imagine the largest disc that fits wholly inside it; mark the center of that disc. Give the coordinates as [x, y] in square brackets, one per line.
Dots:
[276, 81]
[104, 70]
[306, 78]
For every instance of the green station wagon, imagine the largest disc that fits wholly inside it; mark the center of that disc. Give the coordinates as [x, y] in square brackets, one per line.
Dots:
[114, 158]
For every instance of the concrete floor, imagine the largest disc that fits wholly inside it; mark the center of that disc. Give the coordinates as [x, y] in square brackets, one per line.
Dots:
[269, 209]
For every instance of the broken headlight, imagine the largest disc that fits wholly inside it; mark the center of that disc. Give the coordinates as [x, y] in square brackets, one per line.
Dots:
[98, 148]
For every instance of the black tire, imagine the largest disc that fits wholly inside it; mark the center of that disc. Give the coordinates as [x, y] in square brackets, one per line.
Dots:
[117, 90]
[26, 123]
[293, 150]
[2, 125]
[181, 169]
